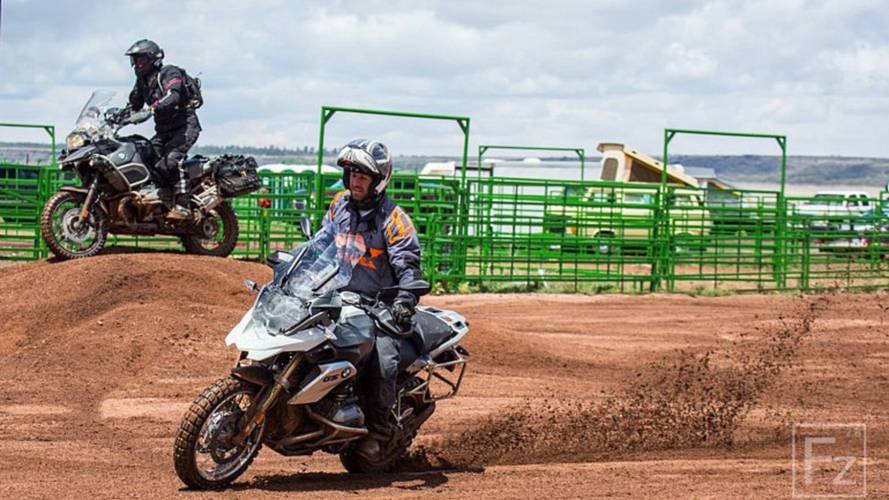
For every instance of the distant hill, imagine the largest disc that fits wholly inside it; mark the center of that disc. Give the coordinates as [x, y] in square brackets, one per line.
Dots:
[823, 170]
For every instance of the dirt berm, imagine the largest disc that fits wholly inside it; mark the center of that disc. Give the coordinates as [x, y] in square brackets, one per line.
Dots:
[568, 396]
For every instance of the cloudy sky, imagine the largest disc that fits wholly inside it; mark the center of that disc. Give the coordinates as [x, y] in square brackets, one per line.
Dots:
[555, 73]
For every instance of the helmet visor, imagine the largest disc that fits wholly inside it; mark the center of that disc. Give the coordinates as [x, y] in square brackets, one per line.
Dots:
[140, 61]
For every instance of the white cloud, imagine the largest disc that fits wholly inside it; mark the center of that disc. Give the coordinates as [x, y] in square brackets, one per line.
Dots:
[534, 72]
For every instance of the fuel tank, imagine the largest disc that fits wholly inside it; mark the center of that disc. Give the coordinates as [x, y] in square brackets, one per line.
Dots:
[125, 169]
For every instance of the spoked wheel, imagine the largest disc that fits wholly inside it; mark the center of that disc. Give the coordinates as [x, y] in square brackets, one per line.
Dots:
[216, 235]
[204, 455]
[67, 235]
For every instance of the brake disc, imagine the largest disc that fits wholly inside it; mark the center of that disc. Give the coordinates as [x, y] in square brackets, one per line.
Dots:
[218, 440]
[210, 227]
[80, 234]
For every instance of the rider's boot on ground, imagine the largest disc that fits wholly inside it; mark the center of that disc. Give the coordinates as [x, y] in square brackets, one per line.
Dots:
[371, 447]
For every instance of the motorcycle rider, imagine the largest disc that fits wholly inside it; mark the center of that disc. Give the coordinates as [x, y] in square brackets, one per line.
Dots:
[392, 257]
[176, 124]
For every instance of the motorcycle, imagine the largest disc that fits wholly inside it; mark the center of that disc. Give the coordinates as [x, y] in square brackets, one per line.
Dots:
[299, 387]
[118, 193]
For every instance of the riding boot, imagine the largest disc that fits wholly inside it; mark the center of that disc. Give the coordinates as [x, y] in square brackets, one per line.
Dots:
[372, 446]
[181, 211]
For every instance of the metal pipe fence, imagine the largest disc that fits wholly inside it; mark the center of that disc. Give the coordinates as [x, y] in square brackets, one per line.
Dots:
[514, 233]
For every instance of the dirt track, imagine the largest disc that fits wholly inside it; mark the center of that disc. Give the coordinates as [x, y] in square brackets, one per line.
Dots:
[568, 396]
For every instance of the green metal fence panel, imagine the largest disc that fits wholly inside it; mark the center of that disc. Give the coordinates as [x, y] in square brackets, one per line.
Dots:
[837, 241]
[23, 192]
[721, 240]
[665, 270]
[22, 195]
[538, 232]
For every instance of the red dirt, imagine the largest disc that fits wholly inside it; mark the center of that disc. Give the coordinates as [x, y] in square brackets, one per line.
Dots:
[568, 396]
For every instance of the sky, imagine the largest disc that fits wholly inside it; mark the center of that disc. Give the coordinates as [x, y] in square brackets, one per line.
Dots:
[544, 73]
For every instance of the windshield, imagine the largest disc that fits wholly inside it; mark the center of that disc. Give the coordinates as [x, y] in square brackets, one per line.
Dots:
[90, 119]
[323, 265]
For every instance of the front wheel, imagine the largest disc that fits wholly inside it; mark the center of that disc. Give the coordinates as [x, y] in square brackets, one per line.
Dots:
[204, 455]
[66, 234]
[215, 235]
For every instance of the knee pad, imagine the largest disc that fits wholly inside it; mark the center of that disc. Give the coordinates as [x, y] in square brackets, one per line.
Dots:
[174, 160]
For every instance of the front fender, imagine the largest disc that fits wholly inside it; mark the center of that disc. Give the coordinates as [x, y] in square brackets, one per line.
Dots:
[74, 189]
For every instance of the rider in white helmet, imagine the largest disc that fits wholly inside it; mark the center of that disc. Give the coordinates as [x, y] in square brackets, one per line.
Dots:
[393, 257]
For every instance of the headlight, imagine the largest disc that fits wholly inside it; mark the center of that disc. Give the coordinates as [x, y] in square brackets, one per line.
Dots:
[75, 140]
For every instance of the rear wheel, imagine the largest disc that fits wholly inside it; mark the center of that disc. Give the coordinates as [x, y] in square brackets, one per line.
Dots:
[204, 455]
[65, 233]
[216, 235]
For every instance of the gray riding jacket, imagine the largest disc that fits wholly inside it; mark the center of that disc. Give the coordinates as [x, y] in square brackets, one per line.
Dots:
[393, 250]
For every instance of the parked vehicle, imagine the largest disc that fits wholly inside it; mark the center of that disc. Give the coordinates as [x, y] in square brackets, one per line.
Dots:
[296, 387]
[833, 210]
[117, 193]
[606, 220]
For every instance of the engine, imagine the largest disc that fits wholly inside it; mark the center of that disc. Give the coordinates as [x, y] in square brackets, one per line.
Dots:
[341, 406]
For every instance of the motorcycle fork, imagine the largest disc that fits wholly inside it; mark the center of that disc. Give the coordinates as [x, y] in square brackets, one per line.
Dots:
[90, 197]
[256, 413]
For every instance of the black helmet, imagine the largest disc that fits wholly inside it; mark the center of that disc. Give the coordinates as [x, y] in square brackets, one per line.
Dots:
[368, 157]
[145, 55]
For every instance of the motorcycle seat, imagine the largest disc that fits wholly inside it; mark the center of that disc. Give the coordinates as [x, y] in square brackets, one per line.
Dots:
[195, 166]
[195, 160]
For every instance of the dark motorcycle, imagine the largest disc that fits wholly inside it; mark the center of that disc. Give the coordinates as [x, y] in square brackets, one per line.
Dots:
[118, 193]
[299, 384]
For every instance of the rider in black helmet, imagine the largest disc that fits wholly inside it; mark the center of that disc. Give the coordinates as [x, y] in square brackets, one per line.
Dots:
[162, 88]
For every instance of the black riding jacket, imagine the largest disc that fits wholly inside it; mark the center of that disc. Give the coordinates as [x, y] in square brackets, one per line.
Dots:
[393, 250]
[165, 90]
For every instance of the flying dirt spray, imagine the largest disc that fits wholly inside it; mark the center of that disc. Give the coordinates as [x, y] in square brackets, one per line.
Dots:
[684, 401]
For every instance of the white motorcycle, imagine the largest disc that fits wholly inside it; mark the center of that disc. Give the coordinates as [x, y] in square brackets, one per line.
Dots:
[297, 386]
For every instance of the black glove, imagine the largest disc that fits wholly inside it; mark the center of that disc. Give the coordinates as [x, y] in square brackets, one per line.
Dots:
[402, 314]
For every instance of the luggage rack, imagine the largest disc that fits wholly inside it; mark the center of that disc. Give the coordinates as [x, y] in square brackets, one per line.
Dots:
[457, 359]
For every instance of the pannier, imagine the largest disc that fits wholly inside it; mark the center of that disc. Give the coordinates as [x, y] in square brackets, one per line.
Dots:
[236, 175]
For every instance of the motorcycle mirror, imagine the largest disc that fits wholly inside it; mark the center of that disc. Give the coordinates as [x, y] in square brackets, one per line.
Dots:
[251, 285]
[276, 258]
[305, 225]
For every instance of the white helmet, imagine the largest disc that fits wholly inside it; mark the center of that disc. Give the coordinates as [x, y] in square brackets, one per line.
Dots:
[368, 157]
